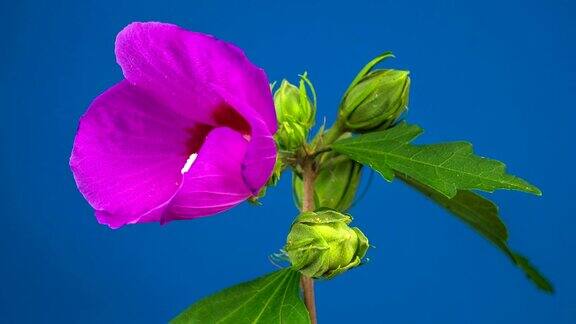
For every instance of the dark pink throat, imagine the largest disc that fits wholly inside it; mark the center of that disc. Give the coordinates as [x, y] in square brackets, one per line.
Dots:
[223, 116]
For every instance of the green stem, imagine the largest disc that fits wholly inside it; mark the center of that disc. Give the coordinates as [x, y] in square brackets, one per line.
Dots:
[308, 175]
[333, 133]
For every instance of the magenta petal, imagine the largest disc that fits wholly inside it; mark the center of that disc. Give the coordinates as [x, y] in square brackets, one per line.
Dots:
[128, 154]
[186, 95]
[214, 183]
[188, 70]
[180, 66]
[259, 159]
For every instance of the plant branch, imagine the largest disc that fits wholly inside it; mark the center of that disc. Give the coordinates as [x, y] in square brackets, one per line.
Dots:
[308, 175]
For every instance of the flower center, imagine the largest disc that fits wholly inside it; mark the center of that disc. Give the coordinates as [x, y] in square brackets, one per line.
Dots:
[227, 116]
[223, 116]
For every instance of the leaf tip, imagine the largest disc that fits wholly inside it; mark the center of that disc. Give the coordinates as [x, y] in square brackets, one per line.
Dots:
[533, 190]
[533, 274]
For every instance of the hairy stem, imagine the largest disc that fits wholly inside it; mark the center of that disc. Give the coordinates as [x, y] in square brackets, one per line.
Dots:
[308, 175]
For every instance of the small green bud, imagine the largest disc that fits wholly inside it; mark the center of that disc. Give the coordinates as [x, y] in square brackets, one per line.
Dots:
[322, 245]
[376, 101]
[335, 185]
[295, 112]
[293, 103]
[291, 135]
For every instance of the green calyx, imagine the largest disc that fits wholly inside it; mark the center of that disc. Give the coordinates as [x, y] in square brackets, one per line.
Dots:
[322, 245]
[291, 135]
[295, 111]
[375, 99]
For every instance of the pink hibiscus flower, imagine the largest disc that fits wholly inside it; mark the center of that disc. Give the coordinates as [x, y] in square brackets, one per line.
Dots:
[188, 133]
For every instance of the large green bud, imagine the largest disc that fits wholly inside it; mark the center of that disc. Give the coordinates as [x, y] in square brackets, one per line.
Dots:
[322, 245]
[375, 99]
[295, 112]
[335, 185]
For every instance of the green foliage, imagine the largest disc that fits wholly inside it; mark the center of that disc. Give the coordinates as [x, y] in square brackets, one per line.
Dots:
[482, 215]
[533, 274]
[273, 298]
[445, 173]
[321, 244]
[446, 167]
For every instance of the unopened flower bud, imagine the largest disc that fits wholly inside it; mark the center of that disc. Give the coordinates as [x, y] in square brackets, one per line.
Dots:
[295, 112]
[335, 185]
[322, 245]
[377, 100]
[293, 103]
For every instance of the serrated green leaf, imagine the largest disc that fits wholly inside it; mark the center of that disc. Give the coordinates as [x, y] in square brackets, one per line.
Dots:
[446, 167]
[482, 215]
[274, 298]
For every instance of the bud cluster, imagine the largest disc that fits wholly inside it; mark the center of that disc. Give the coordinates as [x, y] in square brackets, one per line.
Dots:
[321, 244]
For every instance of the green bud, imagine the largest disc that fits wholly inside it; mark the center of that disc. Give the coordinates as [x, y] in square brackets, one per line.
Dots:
[322, 245]
[295, 112]
[376, 101]
[335, 185]
[291, 135]
[293, 103]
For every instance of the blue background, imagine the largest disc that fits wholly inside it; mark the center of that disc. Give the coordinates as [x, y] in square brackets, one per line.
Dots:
[500, 74]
